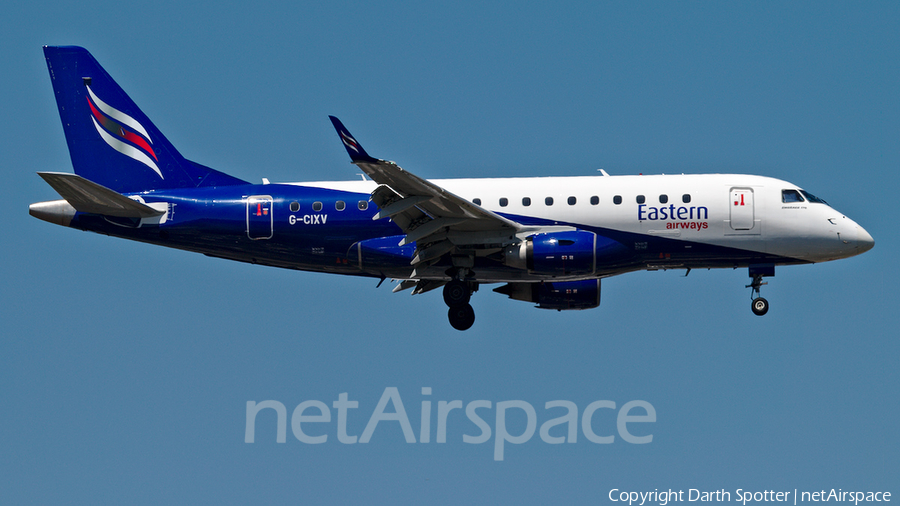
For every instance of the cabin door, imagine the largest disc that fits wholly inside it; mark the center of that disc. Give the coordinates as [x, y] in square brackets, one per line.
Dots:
[259, 217]
[742, 212]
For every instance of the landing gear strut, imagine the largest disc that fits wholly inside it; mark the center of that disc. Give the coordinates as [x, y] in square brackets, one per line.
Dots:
[759, 305]
[456, 295]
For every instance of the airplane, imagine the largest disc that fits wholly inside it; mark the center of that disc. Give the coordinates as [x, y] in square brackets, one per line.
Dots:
[548, 240]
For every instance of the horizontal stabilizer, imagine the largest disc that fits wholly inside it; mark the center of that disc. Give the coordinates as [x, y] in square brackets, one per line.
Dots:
[88, 197]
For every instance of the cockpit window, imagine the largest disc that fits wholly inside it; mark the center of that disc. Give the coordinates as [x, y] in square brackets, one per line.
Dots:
[812, 198]
[788, 196]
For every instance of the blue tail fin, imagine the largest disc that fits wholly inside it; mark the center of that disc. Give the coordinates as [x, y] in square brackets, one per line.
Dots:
[110, 140]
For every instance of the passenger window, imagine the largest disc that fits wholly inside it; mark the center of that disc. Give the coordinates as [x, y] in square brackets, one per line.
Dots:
[526, 201]
[640, 199]
[686, 198]
[617, 199]
[548, 201]
[504, 202]
[477, 202]
[572, 201]
[340, 205]
[317, 206]
[788, 196]
[295, 206]
[595, 200]
[363, 205]
[663, 199]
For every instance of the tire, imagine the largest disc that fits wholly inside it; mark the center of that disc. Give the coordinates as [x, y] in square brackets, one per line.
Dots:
[760, 306]
[456, 293]
[461, 317]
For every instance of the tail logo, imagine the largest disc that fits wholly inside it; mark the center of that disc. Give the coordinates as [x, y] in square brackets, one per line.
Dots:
[122, 132]
[350, 142]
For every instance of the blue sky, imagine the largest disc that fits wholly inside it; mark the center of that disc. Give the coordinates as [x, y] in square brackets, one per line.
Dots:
[125, 369]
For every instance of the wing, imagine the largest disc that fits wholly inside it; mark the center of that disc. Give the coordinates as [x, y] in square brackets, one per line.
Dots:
[439, 222]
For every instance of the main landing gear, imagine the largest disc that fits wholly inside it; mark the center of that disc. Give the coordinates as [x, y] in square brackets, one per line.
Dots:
[759, 305]
[456, 295]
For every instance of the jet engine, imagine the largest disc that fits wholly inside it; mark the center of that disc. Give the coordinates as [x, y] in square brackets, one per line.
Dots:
[559, 295]
[570, 253]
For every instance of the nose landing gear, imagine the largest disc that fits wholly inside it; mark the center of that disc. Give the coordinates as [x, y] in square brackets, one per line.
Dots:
[759, 305]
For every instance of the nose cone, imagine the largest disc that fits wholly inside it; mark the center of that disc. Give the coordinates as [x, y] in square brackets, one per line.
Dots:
[864, 241]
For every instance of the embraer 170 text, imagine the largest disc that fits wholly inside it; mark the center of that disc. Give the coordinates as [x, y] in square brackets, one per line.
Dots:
[549, 240]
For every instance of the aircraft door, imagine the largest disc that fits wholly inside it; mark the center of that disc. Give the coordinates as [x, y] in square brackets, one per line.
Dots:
[259, 217]
[742, 212]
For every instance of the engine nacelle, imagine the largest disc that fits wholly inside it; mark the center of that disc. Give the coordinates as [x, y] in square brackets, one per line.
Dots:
[381, 252]
[571, 253]
[556, 253]
[559, 295]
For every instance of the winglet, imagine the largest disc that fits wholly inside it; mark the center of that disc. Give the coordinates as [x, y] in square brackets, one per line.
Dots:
[354, 149]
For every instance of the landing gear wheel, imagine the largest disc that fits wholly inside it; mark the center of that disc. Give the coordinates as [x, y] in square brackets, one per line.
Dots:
[457, 293]
[760, 306]
[461, 317]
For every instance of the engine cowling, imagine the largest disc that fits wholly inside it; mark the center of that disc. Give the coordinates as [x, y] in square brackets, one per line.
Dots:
[555, 254]
[559, 295]
[381, 253]
[570, 253]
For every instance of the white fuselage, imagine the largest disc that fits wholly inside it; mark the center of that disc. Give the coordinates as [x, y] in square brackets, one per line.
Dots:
[729, 210]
